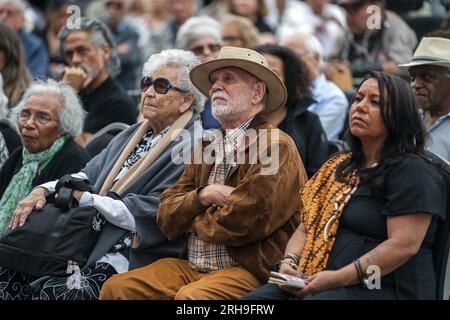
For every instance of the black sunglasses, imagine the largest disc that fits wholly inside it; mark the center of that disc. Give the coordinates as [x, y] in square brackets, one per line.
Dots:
[161, 85]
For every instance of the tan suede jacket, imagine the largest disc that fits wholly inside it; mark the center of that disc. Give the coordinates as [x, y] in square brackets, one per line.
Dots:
[263, 212]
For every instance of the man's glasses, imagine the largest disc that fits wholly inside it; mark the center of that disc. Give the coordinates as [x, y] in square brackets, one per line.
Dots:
[198, 50]
[39, 117]
[161, 85]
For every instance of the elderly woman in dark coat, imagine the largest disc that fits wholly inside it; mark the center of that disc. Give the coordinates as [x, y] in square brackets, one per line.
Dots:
[48, 116]
[137, 165]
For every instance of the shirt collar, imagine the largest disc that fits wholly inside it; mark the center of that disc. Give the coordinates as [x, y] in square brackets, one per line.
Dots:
[438, 121]
[233, 136]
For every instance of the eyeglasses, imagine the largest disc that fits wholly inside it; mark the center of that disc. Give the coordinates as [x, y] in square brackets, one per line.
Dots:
[116, 5]
[39, 117]
[161, 85]
[198, 50]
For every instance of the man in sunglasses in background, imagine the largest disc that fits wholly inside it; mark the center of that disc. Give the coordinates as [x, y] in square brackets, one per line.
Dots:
[203, 36]
[92, 62]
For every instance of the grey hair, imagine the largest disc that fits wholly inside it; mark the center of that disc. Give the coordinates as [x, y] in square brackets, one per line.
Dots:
[71, 115]
[100, 36]
[20, 4]
[196, 27]
[185, 61]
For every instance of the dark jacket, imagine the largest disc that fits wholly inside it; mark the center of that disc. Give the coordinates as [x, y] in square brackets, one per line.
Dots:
[263, 211]
[305, 129]
[36, 54]
[71, 158]
[12, 138]
[208, 120]
[106, 104]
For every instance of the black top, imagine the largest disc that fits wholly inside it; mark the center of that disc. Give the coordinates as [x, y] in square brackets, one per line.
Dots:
[108, 103]
[412, 186]
[43, 35]
[70, 159]
[12, 139]
[305, 129]
[262, 26]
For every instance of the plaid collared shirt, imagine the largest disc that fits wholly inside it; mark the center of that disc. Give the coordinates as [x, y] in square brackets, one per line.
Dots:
[206, 256]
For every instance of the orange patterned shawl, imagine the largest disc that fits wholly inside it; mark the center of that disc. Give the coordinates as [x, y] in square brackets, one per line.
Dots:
[318, 197]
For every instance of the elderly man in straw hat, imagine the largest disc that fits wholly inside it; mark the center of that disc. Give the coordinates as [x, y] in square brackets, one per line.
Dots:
[430, 79]
[237, 215]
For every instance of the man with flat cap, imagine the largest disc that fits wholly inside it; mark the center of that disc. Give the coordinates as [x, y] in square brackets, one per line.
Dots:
[429, 70]
[237, 210]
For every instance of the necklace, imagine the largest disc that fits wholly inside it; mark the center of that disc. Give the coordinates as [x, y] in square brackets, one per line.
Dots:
[341, 201]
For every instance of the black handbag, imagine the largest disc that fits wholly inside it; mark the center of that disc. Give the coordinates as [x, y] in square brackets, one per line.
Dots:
[55, 238]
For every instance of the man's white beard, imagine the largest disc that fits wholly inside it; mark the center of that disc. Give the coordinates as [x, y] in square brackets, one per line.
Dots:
[225, 112]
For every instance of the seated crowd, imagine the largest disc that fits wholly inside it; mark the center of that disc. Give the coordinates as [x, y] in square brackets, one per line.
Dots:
[249, 144]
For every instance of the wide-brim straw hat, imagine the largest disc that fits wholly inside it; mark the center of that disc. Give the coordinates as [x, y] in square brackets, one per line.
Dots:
[247, 60]
[431, 51]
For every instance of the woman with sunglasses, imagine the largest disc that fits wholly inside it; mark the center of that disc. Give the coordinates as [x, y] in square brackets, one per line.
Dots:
[129, 176]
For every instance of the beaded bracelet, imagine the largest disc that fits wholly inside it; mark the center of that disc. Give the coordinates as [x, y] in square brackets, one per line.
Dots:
[292, 256]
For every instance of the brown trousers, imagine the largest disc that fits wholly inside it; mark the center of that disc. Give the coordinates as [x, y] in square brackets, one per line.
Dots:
[170, 278]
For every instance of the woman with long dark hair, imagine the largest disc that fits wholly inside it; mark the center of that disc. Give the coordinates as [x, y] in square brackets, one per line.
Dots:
[370, 215]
